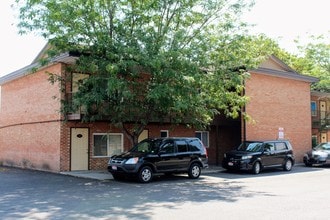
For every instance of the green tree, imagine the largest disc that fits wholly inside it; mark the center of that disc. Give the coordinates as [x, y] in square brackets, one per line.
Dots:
[313, 60]
[149, 60]
[317, 61]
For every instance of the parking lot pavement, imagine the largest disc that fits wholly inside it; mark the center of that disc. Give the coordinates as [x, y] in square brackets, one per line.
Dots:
[90, 174]
[105, 175]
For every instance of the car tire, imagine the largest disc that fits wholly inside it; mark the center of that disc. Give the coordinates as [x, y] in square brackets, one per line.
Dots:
[288, 165]
[145, 174]
[194, 171]
[308, 164]
[256, 168]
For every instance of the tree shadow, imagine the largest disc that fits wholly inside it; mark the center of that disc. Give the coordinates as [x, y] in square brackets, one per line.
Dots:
[41, 195]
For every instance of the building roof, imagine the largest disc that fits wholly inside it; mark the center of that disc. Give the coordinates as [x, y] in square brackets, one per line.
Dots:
[273, 66]
[67, 58]
[320, 94]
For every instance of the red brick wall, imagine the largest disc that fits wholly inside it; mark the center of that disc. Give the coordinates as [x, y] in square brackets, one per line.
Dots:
[29, 122]
[100, 163]
[279, 103]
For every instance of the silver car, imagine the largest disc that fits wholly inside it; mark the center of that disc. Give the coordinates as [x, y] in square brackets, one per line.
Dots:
[318, 155]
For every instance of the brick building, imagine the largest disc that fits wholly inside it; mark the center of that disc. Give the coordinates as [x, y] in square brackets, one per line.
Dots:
[34, 135]
[279, 105]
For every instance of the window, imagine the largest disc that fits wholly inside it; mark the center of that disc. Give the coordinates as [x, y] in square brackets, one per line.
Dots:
[164, 133]
[314, 140]
[168, 147]
[269, 147]
[203, 136]
[77, 80]
[107, 144]
[182, 146]
[280, 146]
[195, 145]
[314, 108]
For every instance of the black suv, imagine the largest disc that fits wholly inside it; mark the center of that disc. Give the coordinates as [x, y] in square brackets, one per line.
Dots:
[257, 155]
[160, 155]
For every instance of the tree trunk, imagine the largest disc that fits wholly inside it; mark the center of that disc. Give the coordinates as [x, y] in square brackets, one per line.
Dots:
[133, 135]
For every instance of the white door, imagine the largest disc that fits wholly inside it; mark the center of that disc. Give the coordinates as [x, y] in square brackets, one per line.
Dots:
[323, 109]
[79, 148]
[324, 137]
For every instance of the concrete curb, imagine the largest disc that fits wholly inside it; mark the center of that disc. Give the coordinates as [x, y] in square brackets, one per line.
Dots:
[105, 175]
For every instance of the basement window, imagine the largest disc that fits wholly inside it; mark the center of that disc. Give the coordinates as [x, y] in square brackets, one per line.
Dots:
[106, 145]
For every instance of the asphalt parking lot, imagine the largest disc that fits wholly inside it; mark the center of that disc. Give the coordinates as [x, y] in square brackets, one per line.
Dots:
[299, 194]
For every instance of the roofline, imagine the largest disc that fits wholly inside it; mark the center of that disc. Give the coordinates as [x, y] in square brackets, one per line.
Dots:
[320, 94]
[62, 58]
[41, 53]
[281, 63]
[287, 75]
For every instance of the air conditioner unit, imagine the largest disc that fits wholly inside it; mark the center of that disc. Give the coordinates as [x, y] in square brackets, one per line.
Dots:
[74, 116]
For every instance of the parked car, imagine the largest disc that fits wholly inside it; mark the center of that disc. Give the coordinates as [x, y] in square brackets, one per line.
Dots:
[160, 155]
[257, 155]
[318, 155]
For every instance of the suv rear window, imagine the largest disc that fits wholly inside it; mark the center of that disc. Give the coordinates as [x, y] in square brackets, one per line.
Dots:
[195, 145]
[280, 146]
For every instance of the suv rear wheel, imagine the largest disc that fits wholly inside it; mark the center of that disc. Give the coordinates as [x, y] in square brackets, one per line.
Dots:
[194, 171]
[145, 174]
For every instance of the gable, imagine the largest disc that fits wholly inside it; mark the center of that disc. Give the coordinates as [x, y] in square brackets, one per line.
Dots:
[271, 64]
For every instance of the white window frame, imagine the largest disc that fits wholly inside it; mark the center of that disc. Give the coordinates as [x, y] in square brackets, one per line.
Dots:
[164, 131]
[108, 143]
[207, 144]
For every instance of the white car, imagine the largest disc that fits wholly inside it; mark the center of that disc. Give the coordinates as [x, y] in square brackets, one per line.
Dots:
[318, 155]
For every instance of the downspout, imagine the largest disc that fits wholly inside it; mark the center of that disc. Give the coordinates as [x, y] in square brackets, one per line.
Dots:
[242, 116]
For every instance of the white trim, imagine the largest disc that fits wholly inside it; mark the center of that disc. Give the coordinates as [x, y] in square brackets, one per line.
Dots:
[207, 145]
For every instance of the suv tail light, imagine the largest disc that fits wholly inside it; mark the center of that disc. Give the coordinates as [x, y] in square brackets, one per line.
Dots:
[207, 156]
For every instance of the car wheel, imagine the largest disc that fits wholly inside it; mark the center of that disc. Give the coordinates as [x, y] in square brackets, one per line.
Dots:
[287, 165]
[256, 168]
[145, 174]
[194, 171]
[308, 164]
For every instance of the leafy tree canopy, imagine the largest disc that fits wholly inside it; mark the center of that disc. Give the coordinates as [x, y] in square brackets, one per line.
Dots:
[313, 60]
[172, 61]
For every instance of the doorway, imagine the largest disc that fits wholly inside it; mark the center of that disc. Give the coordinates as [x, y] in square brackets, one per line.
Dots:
[79, 149]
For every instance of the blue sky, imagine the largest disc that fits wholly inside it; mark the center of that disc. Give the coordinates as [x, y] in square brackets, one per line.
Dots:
[282, 20]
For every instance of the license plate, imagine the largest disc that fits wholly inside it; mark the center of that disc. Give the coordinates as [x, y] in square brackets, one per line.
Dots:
[230, 164]
[114, 167]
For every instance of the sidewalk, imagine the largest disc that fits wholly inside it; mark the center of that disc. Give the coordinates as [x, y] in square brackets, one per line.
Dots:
[105, 175]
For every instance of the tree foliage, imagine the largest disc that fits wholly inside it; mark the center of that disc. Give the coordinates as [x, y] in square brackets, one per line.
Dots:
[149, 60]
[313, 60]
